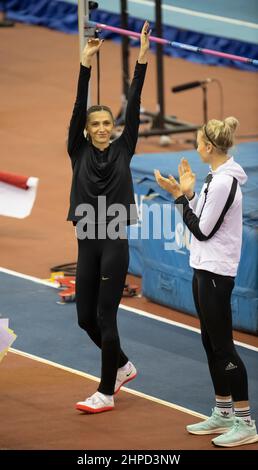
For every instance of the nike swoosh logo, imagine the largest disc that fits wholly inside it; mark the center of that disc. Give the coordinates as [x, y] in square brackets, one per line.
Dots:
[127, 375]
[104, 278]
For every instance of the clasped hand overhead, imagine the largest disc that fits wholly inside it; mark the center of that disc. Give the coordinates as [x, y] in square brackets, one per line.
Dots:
[93, 45]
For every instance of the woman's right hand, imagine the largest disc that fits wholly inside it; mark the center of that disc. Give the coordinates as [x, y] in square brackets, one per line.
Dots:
[91, 48]
[186, 178]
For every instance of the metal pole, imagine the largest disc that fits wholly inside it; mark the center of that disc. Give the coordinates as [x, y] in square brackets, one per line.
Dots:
[83, 13]
[205, 104]
[159, 120]
[120, 119]
[125, 48]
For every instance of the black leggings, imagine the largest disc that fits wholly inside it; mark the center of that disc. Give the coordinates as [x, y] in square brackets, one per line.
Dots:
[100, 278]
[212, 294]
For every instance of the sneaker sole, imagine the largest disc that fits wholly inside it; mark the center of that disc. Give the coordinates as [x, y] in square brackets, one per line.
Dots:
[125, 382]
[247, 440]
[88, 409]
[210, 431]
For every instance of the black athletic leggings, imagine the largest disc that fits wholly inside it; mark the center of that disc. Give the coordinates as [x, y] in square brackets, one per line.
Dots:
[101, 271]
[212, 294]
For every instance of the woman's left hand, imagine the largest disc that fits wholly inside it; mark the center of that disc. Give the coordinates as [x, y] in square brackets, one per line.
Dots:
[145, 43]
[169, 184]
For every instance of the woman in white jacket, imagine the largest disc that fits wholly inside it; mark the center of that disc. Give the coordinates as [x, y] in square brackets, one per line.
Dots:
[215, 220]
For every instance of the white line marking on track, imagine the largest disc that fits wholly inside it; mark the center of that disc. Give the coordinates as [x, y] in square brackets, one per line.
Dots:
[96, 379]
[178, 324]
[125, 307]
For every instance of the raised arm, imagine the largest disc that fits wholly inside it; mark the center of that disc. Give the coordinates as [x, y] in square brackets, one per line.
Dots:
[132, 117]
[77, 123]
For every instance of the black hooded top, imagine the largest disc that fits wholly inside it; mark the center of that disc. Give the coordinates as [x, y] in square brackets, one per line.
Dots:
[103, 173]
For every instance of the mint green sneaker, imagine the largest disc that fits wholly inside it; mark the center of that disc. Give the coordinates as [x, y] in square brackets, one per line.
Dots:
[241, 433]
[215, 424]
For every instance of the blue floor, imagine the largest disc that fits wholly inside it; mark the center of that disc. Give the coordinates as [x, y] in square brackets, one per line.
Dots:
[170, 360]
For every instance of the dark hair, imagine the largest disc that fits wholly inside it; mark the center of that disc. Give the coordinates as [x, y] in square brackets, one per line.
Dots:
[98, 107]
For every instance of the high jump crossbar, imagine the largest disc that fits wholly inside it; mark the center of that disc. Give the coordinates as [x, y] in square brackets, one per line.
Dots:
[178, 45]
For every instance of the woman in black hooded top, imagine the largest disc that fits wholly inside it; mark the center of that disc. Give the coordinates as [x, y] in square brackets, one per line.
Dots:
[102, 188]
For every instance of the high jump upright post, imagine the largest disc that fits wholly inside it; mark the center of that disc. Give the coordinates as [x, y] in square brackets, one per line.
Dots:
[83, 11]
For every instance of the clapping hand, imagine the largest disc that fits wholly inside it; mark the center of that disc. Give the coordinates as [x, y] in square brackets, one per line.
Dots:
[186, 178]
[169, 184]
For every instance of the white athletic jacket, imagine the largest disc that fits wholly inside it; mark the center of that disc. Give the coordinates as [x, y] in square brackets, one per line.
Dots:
[221, 252]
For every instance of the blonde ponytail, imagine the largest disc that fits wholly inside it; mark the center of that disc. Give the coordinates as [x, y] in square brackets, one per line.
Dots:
[232, 122]
[220, 133]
